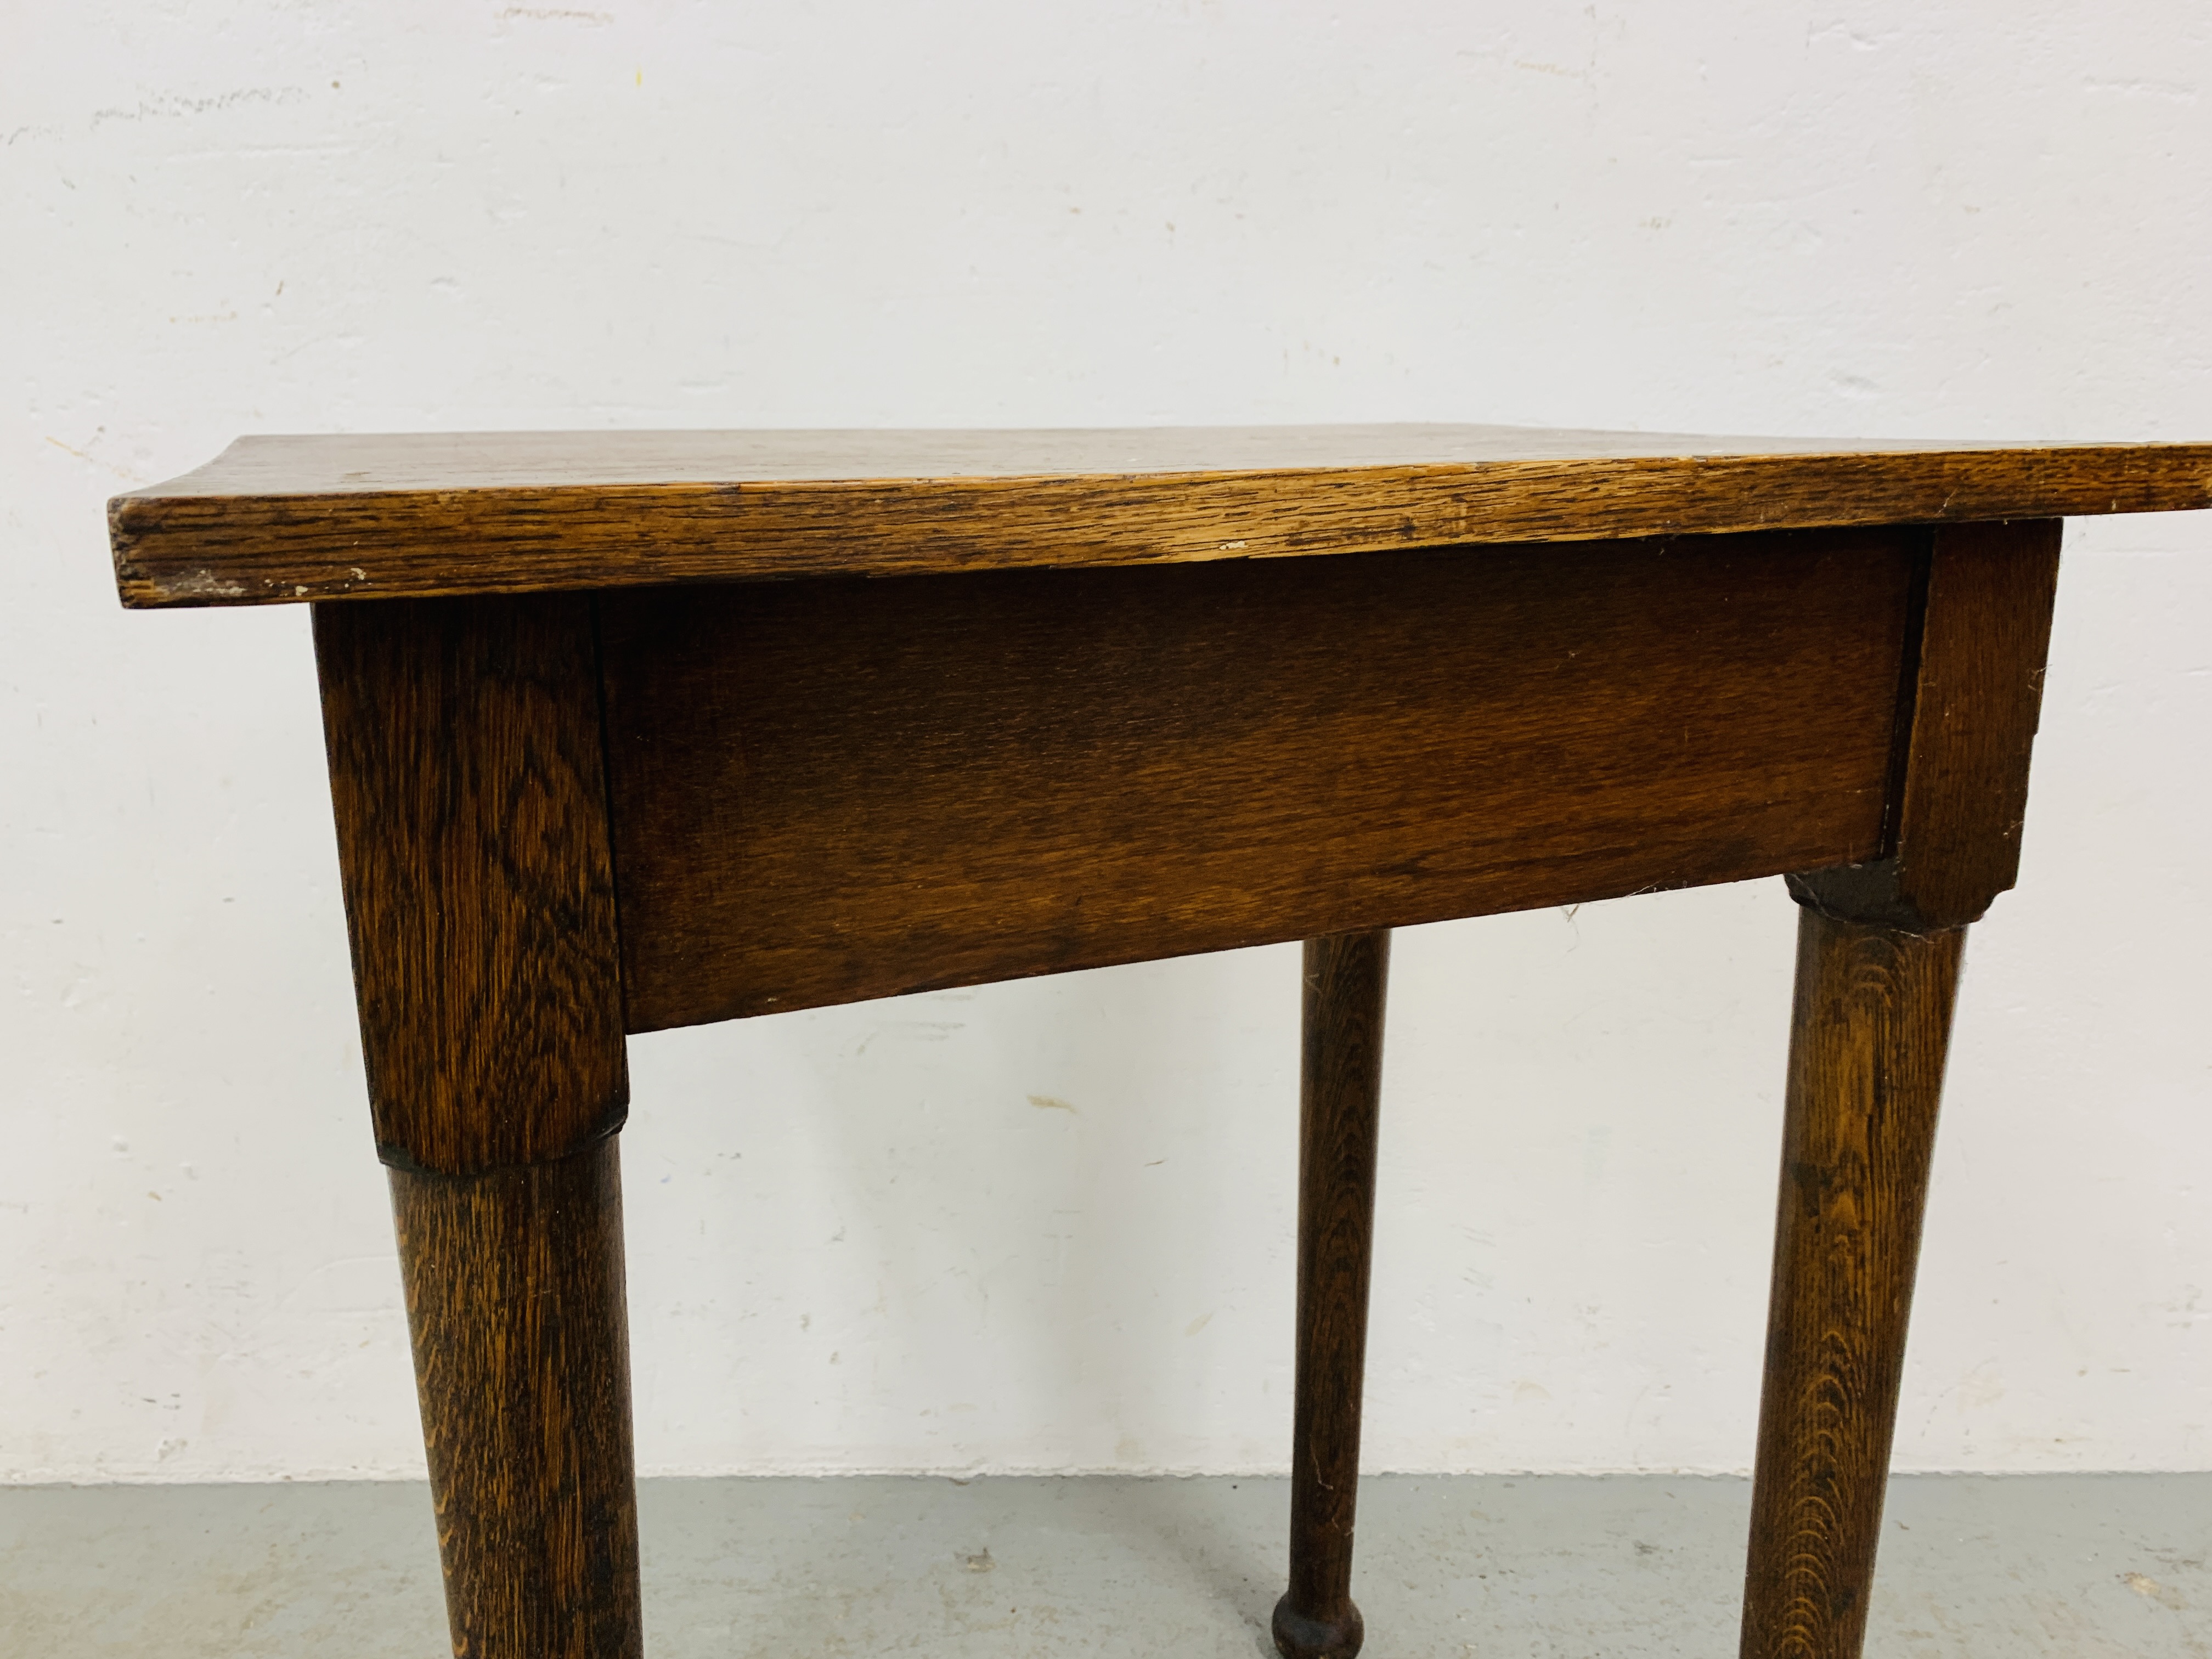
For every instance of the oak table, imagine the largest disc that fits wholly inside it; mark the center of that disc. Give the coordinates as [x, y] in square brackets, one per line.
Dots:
[629, 731]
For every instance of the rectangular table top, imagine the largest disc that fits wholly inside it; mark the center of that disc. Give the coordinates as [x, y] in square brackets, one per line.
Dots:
[380, 516]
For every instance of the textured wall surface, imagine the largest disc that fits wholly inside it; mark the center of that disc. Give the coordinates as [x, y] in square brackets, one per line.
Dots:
[1047, 1226]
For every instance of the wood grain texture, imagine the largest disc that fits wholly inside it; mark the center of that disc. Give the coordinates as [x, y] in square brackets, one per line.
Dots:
[1977, 697]
[1340, 1107]
[282, 518]
[836, 790]
[467, 776]
[1871, 1027]
[515, 1304]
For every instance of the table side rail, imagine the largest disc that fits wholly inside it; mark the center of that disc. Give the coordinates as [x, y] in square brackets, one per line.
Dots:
[830, 791]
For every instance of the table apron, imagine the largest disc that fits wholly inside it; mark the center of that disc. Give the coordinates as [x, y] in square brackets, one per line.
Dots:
[827, 791]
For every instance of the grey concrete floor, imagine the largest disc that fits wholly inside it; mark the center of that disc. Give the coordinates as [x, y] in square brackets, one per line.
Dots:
[2078, 1565]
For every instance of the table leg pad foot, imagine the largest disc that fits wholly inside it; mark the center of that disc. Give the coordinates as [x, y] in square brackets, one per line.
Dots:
[1299, 1636]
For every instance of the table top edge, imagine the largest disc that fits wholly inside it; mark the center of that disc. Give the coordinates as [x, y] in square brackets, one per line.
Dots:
[278, 519]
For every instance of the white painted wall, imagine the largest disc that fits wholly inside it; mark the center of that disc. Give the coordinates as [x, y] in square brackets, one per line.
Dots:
[855, 1240]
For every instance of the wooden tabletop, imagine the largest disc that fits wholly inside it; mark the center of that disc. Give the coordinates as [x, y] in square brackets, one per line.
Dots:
[375, 516]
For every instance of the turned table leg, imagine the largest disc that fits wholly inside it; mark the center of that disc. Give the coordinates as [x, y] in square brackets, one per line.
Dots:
[515, 1302]
[1871, 1026]
[467, 778]
[1878, 951]
[1340, 1081]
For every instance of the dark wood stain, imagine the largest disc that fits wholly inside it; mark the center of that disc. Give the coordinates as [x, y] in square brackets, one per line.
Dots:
[278, 519]
[1339, 1104]
[1879, 951]
[466, 776]
[1971, 716]
[515, 1304]
[836, 790]
[1870, 1033]
[1551, 666]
